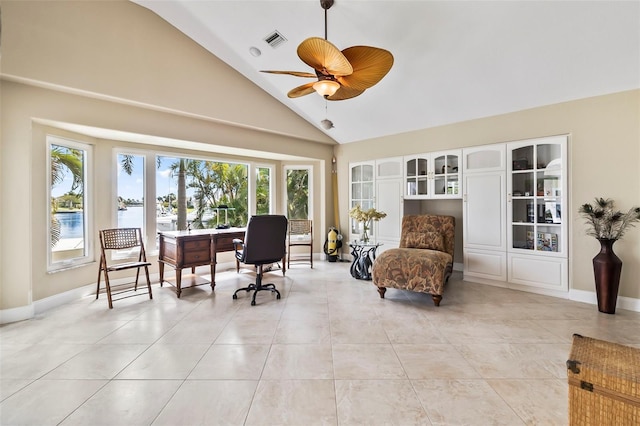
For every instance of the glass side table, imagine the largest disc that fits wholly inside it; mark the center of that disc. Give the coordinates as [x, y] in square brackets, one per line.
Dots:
[363, 253]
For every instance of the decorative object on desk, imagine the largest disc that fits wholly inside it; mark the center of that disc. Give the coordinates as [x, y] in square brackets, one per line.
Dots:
[226, 209]
[607, 225]
[366, 217]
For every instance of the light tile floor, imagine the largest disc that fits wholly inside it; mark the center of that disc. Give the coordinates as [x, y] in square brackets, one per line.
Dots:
[329, 352]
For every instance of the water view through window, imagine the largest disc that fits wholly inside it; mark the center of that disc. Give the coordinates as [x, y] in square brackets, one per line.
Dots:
[68, 217]
[200, 193]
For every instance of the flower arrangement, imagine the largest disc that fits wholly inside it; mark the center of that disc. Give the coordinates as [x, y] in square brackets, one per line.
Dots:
[605, 222]
[366, 216]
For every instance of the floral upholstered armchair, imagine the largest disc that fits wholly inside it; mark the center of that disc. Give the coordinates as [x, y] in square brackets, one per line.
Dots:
[424, 260]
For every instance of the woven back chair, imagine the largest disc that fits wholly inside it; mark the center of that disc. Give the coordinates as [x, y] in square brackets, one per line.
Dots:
[122, 239]
[300, 233]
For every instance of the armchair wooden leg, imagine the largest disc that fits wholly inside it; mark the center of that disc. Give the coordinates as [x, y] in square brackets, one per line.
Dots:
[382, 291]
[436, 299]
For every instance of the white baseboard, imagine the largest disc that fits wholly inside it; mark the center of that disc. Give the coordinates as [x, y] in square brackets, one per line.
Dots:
[17, 314]
[590, 297]
[39, 306]
[583, 296]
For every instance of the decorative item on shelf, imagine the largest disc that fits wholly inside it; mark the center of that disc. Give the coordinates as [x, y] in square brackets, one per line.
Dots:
[366, 217]
[607, 225]
[521, 164]
[547, 241]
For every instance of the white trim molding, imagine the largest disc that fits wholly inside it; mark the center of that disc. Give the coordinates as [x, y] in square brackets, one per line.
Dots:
[590, 297]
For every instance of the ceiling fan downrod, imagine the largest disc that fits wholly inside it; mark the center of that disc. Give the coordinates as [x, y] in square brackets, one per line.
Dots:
[326, 5]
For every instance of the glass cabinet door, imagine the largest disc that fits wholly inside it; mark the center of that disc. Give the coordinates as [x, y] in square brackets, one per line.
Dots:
[417, 177]
[537, 172]
[362, 190]
[446, 176]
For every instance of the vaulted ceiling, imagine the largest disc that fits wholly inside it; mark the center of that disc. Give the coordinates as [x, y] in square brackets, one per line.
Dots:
[454, 60]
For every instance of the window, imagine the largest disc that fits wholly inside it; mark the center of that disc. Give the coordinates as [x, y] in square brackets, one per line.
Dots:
[263, 190]
[69, 219]
[130, 191]
[200, 194]
[298, 187]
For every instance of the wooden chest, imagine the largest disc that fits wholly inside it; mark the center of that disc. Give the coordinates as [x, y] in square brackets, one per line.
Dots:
[604, 383]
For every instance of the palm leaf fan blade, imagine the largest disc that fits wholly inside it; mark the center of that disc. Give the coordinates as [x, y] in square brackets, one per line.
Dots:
[294, 73]
[303, 90]
[345, 92]
[324, 57]
[370, 65]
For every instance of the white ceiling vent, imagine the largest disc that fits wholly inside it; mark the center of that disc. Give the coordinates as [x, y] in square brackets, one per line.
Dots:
[275, 39]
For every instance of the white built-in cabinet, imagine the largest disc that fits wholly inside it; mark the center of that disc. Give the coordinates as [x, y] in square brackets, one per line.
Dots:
[388, 199]
[378, 184]
[514, 197]
[536, 201]
[433, 175]
[484, 213]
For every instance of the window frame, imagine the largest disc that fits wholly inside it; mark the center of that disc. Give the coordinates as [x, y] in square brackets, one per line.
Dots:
[272, 186]
[130, 253]
[285, 194]
[88, 203]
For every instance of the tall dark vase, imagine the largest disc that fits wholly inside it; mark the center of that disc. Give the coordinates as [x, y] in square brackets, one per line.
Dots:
[606, 268]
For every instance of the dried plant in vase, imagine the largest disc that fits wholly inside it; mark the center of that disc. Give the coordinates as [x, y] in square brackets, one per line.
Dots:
[607, 225]
[366, 217]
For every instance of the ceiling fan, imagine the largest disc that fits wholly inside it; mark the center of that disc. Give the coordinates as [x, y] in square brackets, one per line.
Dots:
[341, 74]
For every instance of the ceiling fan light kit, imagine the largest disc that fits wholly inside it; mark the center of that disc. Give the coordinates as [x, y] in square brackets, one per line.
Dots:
[341, 74]
[326, 88]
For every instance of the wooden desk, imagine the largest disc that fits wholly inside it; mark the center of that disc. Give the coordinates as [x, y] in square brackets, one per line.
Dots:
[188, 249]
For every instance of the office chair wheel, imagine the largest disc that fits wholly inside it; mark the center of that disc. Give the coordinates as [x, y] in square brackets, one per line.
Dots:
[235, 296]
[253, 303]
[277, 296]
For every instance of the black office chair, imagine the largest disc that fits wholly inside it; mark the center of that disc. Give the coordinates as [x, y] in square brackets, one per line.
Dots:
[264, 243]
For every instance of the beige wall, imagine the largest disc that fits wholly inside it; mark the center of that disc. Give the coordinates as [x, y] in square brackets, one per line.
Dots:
[604, 147]
[122, 50]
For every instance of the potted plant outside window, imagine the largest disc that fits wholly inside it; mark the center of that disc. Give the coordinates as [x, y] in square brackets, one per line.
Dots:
[607, 225]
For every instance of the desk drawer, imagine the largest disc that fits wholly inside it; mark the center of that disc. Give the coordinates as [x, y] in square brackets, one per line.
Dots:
[197, 257]
[197, 245]
[225, 243]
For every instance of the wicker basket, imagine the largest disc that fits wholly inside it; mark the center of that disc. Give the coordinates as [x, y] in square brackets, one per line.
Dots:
[604, 383]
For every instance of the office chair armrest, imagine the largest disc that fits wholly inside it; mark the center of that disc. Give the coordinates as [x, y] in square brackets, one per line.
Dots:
[238, 244]
[238, 247]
